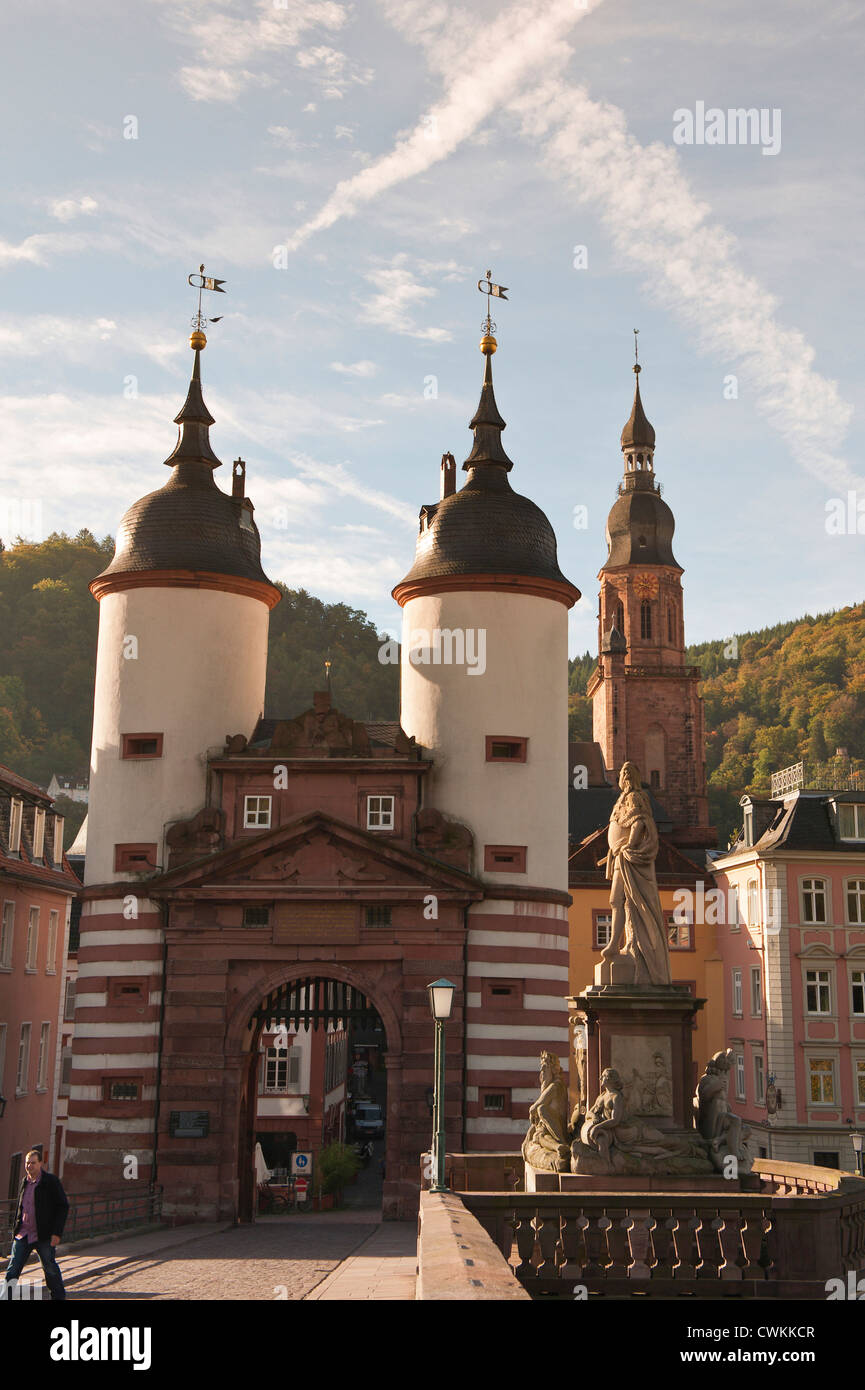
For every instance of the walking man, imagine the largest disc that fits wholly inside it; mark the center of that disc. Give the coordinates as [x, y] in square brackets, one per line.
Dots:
[38, 1225]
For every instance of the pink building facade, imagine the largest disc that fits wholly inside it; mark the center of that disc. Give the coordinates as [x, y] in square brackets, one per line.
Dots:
[793, 946]
[36, 891]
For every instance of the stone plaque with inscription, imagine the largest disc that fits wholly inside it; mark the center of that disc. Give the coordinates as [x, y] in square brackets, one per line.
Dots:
[315, 922]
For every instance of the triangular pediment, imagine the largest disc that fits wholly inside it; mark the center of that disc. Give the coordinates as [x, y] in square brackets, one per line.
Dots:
[317, 852]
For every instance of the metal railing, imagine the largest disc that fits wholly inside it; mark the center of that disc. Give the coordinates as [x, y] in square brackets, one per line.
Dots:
[97, 1213]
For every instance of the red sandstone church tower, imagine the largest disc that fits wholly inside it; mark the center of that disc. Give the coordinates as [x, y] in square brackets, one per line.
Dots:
[486, 579]
[645, 704]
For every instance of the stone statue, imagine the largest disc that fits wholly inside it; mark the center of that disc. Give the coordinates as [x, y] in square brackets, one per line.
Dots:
[632, 839]
[546, 1142]
[581, 1043]
[657, 1089]
[612, 1141]
[724, 1132]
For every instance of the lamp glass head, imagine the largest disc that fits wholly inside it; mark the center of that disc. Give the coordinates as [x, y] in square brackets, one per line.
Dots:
[441, 998]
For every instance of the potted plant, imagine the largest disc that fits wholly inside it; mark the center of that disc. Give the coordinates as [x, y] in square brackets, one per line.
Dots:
[335, 1166]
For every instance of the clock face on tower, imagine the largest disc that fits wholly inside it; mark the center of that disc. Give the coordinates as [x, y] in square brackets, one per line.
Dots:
[646, 586]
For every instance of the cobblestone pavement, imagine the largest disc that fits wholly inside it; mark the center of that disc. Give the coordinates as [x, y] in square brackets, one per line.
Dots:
[283, 1258]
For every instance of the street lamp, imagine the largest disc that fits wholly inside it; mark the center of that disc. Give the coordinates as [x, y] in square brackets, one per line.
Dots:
[856, 1140]
[441, 998]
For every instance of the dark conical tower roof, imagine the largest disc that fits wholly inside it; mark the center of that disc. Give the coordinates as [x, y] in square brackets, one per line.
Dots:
[189, 525]
[638, 433]
[485, 528]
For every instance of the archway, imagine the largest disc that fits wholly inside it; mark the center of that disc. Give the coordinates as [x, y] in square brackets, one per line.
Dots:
[319, 1047]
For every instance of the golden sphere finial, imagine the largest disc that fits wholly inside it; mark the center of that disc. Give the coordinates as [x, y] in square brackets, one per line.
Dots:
[488, 344]
[197, 340]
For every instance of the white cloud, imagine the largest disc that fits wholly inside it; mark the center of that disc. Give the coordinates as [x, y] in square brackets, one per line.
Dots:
[219, 84]
[65, 209]
[362, 368]
[399, 295]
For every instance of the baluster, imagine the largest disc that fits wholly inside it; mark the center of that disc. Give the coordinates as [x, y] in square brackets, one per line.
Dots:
[547, 1228]
[664, 1243]
[730, 1236]
[597, 1250]
[573, 1246]
[642, 1256]
[687, 1251]
[525, 1238]
[618, 1240]
[752, 1245]
[709, 1244]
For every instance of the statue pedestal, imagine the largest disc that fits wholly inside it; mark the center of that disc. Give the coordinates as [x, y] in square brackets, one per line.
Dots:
[645, 1032]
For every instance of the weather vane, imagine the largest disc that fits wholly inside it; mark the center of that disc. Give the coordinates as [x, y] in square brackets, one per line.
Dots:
[636, 351]
[204, 282]
[487, 287]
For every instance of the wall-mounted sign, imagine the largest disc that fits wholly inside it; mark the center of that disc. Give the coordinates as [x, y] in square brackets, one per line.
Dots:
[189, 1124]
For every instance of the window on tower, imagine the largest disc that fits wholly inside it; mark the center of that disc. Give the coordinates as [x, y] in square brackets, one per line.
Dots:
[142, 746]
[502, 748]
[645, 618]
[620, 617]
[670, 624]
[256, 812]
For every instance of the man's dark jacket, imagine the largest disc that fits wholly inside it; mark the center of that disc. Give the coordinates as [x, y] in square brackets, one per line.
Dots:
[51, 1207]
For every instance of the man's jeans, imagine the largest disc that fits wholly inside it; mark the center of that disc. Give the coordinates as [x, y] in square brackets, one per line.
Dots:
[21, 1251]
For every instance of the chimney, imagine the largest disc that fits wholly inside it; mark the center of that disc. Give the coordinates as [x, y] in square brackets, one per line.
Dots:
[448, 476]
[238, 480]
[321, 701]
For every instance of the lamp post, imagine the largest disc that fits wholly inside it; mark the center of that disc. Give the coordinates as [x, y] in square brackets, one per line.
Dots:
[857, 1140]
[441, 998]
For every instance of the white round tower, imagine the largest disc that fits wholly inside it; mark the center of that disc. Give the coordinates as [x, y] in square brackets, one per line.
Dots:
[182, 654]
[484, 688]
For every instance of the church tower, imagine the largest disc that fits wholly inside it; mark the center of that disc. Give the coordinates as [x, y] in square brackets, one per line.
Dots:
[645, 705]
[181, 662]
[484, 689]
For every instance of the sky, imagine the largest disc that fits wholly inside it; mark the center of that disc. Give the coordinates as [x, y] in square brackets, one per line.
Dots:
[351, 171]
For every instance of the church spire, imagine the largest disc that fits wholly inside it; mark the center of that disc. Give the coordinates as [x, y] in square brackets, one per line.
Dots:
[638, 438]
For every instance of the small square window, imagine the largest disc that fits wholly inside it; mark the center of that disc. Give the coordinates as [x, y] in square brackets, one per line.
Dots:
[127, 991]
[134, 859]
[256, 916]
[495, 1102]
[505, 859]
[256, 812]
[501, 748]
[378, 916]
[142, 746]
[380, 812]
[121, 1088]
[500, 993]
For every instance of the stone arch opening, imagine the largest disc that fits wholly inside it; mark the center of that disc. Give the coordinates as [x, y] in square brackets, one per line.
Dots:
[319, 1083]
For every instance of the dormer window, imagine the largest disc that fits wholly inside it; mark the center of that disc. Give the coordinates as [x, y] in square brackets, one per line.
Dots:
[38, 833]
[749, 825]
[16, 816]
[851, 820]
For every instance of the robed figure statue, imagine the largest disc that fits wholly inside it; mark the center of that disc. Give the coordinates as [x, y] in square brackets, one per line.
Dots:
[638, 928]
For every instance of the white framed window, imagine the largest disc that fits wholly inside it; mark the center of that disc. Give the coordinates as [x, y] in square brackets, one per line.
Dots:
[753, 898]
[603, 928]
[7, 932]
[16, 817]
[735, 907]
[860, 1080]
[821, 1080]
[857, 991]
[57, 855]
[38, 832]
[69, 1002]
[851, 820]
[42, 1065]
[256, 812]
[855, 899]
[737, 993]
[31, 954]
[756, 992]
[679, 933]
[814, 900]
[65, 1072]
[281, 1071]
[380, 812]
[51, 947]
[739, 1069]
[818, 991]
[23, 1072]
[759, 1080]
